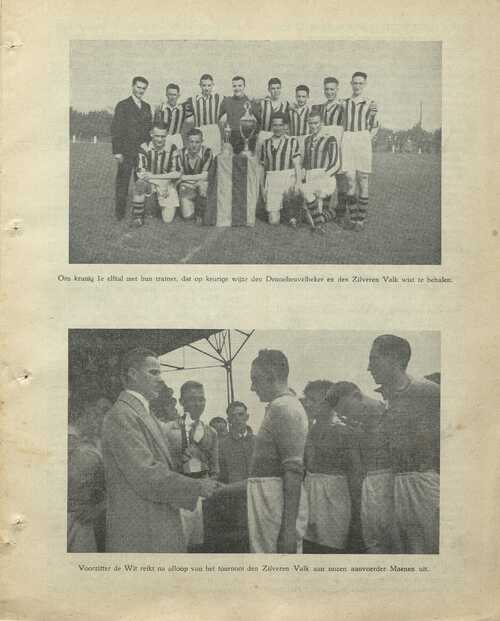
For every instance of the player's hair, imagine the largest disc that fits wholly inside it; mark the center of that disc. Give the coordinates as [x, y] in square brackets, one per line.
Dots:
[206, 76]
[359, 74]
[173, 85]
[133, 360]
[195, 131]
[330, 79]
[239, 78]
[302, 87]
[139, 78]
[340, 390]
[234, 404]
[273, 81]
[278, 115]
[159, 124]
[190, 385]
[394, 347]
[217, 419]
[274, 362]
[323, 385]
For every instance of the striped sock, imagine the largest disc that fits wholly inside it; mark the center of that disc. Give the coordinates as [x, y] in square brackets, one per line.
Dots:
[362, 209]
[316, 215]
[138, 209]
[340, 209]
[352, 203]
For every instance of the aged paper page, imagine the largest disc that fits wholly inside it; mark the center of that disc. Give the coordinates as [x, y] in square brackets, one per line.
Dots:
[50, 287]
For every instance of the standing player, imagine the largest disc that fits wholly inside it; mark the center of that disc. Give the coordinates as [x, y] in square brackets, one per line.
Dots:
[130, 128]
[298, 115]
[157, 167]
[205, 110]
[194, 161]
[231, 111]
[360, 125]
[331, 109]
[367, 419]
[270, 105]
[277, 504]
[413, 412]
[173, 115]
[333, 473]
[320, 162]
[280, 157]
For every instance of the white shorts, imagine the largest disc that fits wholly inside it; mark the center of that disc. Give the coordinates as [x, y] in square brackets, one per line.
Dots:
[277, 183]
[357, 152]
[416, 500]
[329, 509]
[265, 512]
[174, 139]
[212, 138]
[333, 130]
[377, 513]
[318, 184]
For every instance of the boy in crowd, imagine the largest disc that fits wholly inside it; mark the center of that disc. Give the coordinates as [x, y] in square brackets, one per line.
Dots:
[360, 126]
[298, 115]
[195, 449]
[332, 473]
[157, 168]
[194, 162]
[173, 114]
[413, 412]
[320, 163]
[280, 157]
[205, 111]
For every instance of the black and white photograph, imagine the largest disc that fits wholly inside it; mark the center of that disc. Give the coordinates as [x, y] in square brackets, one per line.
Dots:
[255, 152]
[253, 441]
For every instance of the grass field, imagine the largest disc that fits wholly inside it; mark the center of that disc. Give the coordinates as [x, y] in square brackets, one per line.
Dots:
[404, 225]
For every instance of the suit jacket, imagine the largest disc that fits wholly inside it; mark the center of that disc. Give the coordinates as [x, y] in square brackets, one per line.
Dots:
[144, 493]
[130, 127]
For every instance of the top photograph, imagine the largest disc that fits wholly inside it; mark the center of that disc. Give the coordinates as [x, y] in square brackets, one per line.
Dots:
[255, 152]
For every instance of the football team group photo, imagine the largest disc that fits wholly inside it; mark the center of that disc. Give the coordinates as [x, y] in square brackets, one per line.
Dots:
[255, 152]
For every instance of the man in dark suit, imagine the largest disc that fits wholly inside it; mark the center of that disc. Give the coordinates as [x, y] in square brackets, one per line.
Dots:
[144, 492]
[131, 125]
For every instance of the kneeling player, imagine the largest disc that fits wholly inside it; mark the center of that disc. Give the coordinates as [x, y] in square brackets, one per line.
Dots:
[360, 124]
[194, 160]
[157, 170]
[320, 162]
[280, 157]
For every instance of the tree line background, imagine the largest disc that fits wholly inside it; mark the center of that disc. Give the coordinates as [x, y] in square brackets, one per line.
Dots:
[86, 125]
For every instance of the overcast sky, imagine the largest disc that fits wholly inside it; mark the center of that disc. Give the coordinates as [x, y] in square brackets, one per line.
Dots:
[312, 354]
[400, 74]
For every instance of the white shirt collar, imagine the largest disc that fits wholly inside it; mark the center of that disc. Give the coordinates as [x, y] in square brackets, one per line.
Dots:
[141, 398]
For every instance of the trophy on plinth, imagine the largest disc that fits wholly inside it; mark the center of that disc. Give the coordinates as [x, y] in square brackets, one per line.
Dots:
[227, 147]
[248, 127]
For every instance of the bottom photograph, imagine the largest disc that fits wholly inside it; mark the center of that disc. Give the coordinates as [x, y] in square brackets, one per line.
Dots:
[253, 441]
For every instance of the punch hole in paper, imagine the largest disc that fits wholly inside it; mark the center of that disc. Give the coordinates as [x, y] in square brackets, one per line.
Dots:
[15, 227]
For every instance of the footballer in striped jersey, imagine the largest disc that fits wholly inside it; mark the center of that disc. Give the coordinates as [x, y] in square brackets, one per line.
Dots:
[157, 169]
[205, 110]
[195, 161]
[359, 118]
[280, 157]
[173, 115]
[298, 115]
[269, 106]
[320, 163]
